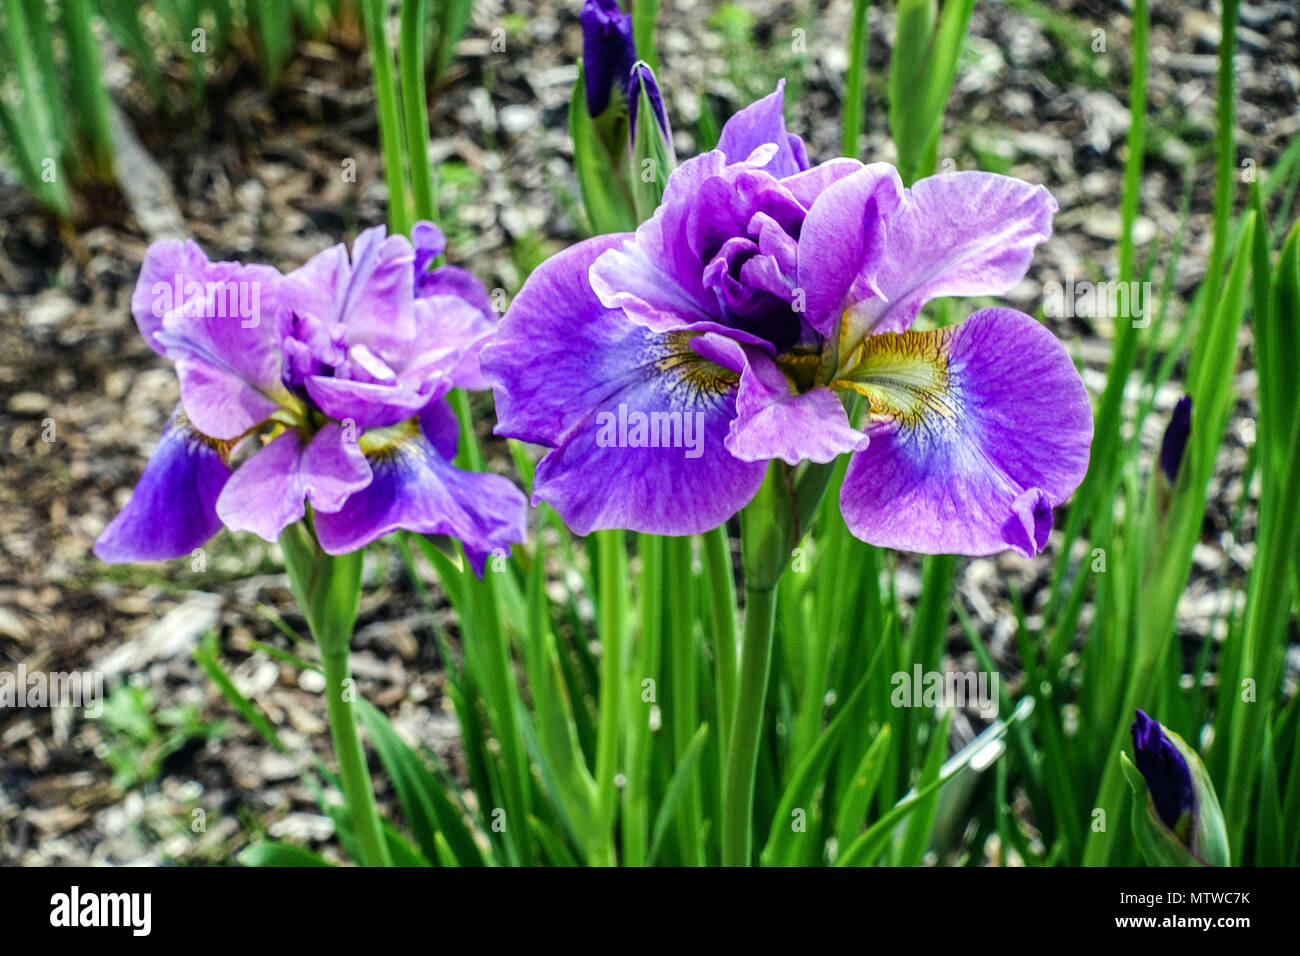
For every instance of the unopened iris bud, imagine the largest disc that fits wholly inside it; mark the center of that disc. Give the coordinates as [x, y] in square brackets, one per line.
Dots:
[1176, 819]
[1168, 778]
[1174, 442]
[608, 51]
[642, 79]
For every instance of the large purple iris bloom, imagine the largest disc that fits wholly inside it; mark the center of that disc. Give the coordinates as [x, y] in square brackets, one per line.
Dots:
[327, 386]
[664, 369]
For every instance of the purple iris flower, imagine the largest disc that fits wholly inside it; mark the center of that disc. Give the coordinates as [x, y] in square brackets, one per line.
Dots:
[326, 385]
[1174, 442]
[665, 369]
[1168, 777]
[608, 51]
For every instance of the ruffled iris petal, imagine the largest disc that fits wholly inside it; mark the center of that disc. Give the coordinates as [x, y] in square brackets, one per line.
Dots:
[266, 494]
[758, 124]
[217, 321]
[845, 241]
[966, 233]
[173, 509]
[416, 489]
[978, 430]
[772, 420]
[574, 375]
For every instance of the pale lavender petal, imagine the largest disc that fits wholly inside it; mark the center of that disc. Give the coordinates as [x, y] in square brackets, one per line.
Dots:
[265, 494]
[979, 430]
[173, 508]
[332, 467]
[843, 242]
[957, 234]
[372, 405]
[217, 321]
[453, 332]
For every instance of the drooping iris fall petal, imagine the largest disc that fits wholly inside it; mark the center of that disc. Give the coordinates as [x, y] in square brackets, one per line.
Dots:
[416, 489]
[574, 375]
[978, 430]
[173, 509]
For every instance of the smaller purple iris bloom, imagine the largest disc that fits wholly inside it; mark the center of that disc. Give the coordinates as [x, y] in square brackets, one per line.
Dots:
[326, 385]
[1168, 777]
[608, 52]
[1174, 442]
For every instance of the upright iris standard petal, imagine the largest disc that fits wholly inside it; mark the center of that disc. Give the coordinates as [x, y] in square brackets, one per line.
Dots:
[216, 321]
[265, 495]
[1169, 779]
[173, 509]
[415, 488]
[966, 233]
[762, 123]
[978, 430]
[842, 245]
[608, 51]
[637, 421]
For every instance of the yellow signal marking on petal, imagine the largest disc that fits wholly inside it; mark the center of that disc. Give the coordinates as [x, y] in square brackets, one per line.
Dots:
[906, 377]
[688, 366]
[377, 443]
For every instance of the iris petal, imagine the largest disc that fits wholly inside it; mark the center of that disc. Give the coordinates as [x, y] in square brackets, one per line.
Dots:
[416, 489]
[574, 375]
[977, 431]
[265, 495]
[173, 509]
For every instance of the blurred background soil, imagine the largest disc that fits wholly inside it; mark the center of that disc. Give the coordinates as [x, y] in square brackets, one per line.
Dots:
[258, 175]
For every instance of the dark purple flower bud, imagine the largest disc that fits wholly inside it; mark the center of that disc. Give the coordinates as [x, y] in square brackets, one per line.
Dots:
[642, 77]
[607, 50]
[1174, 443]
[1168, 777]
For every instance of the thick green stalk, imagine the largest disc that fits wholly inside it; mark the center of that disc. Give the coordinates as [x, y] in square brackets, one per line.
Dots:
[415, 105]
[635, 827]
[722, 610]
[766, 537]
[353, 773]
[374, 12]
[684, 687]
[612, 584]
[742, 750]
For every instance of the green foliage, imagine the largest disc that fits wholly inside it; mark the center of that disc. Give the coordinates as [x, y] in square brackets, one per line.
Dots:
[138, 736]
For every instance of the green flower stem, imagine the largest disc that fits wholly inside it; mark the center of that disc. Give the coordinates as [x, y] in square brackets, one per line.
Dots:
[767, 532]
[415, 105]
[353, 773]
[612, 584]
[683, 689]
[374, 13]
[722, 604]
[742, 750]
